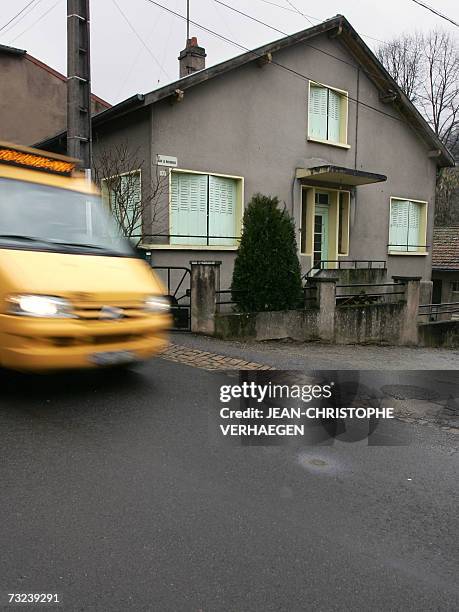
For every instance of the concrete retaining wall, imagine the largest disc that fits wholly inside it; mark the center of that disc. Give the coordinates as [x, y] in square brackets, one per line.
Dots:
[378, 323]
[389, 322]
[374, 323]
[301, 325]
[443, 334]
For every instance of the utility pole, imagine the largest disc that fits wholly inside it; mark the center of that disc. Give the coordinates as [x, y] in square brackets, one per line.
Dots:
[78, 83]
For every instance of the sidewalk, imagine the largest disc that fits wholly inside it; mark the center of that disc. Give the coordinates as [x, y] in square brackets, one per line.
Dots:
[287, 355]
[420, 384]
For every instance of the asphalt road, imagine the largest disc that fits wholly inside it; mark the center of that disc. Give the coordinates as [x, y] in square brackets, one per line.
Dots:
[113, 496]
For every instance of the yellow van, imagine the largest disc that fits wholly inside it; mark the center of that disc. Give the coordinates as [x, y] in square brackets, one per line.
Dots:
[73, 293]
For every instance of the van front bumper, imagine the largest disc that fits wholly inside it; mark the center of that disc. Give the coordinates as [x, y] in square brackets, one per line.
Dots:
[52, 344]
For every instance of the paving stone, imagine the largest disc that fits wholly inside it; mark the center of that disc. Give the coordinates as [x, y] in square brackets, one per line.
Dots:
[208, 361]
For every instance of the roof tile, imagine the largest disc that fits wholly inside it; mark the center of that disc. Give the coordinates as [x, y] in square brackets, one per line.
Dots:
[445, 251]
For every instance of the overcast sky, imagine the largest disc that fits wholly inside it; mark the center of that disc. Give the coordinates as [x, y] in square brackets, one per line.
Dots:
[122, 65]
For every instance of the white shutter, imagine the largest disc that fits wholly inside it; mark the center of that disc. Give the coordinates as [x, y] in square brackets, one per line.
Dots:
[318, 112]
[130, 186]
[398, 232]
[334, 116]
[188, 222]
[222, 210]
[414, 227]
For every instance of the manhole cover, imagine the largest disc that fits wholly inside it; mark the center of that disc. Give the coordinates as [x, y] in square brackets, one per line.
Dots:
[405, 392]
[317, 462]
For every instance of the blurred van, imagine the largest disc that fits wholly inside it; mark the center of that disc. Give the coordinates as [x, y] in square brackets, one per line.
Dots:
[73, 292]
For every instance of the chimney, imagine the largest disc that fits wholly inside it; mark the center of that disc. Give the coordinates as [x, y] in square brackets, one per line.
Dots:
[192, 58]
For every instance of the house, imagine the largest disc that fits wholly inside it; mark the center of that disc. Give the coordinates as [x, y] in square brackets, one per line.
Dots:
[33, 98]
[313, 118]
[445, 265]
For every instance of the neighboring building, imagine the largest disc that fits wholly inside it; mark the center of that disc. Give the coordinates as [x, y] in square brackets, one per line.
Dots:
[445, 264]
[313, 118]
[33, 98]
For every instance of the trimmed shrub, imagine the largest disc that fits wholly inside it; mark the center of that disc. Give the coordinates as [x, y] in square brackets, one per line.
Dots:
[267, 274]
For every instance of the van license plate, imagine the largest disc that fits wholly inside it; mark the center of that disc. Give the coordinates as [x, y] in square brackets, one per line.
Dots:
[108, 358]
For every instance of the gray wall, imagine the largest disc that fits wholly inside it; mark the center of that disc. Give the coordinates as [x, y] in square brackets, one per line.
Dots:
[33, 100]
[447, 278]
[253, 122]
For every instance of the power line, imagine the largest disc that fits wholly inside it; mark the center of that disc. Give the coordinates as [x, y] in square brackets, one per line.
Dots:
[286, 68]
[36, 21]
[318, 19]
[273, 62]
[18, 14]
[306, 44]
[140, 38]
[136, 57]
[299, 12]
[435, 12]
[259, 21]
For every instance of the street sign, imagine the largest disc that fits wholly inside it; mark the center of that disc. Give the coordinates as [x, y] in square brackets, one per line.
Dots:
[166, 160]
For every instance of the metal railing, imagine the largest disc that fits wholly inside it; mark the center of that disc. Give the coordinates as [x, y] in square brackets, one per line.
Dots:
[223, 292]
[364, 297]
[433, 311]
[347, 264]
[408, 248]
[177, 281]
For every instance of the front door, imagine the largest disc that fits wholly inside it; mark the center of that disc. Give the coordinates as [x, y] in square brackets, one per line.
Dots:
[321, 228]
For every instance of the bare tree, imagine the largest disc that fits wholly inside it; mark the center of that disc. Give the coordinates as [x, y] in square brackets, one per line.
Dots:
[439, 92]
[426, 67]
[402, 59]
[119, 171]
[447, 197]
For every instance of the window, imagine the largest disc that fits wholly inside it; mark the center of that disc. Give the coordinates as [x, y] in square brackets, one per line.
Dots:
[407, 230]
[327, 115]
[123, 195]
[343, 223]
[205, 209]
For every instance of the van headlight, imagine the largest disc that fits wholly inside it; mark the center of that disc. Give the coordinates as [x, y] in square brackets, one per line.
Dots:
[46, 306]
[157, 304]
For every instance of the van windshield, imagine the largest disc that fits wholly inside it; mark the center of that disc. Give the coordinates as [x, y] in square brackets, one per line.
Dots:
[39, 217]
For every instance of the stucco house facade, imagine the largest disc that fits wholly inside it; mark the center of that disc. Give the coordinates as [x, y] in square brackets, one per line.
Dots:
[312, 118]
[33, 98]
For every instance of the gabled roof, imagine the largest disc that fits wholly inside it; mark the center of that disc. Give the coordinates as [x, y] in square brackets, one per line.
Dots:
[445, 249]
[23, 53]
[338, 27]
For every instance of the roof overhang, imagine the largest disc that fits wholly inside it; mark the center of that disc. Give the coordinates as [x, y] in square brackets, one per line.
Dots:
[338, 28]
[337, 175]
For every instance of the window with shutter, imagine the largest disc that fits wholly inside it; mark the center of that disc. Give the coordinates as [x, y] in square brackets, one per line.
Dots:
[222, 210]
[327, 114]
[122, 193]
[318, 112]
[407, 226]
[414, 226]
[131, 188]
[188, 219]
[205, 209]
[334, 116]
[398, 234]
